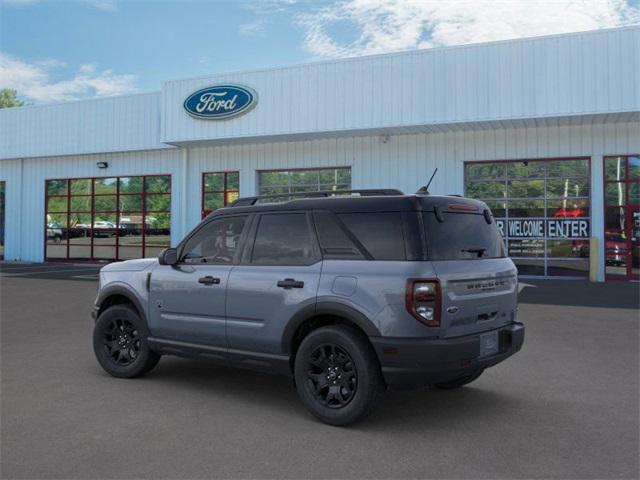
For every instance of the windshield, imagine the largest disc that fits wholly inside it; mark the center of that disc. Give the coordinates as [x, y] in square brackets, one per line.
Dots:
[462, 236]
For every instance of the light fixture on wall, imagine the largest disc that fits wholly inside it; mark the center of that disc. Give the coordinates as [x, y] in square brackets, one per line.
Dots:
[102, 165]
[384, 138]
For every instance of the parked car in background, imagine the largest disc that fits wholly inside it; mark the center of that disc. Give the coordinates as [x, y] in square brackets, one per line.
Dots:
[54, 232]
[103, 228]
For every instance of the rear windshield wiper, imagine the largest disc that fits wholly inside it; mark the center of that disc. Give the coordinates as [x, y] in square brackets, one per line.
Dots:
[479, 251]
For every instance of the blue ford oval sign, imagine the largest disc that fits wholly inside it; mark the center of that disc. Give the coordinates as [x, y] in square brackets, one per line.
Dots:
[220, 101]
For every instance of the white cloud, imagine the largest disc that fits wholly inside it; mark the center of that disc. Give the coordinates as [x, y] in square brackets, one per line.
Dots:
[104, 5]
[389, 25]
[34, 80]
[253, 28]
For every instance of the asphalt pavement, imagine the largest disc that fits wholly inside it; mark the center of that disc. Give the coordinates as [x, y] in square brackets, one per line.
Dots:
[566, 406]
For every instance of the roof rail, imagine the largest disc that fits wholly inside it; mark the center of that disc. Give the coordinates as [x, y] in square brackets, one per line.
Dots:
[375, 192]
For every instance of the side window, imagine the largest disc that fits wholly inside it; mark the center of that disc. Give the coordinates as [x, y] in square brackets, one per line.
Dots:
[284, 239]
[380, 233]
[334, 241]
[216, 243]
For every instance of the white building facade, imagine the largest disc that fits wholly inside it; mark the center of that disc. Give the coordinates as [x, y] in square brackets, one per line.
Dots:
[545, 130]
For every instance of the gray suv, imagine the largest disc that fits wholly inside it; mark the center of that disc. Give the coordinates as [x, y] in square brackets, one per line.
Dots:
[349, 294]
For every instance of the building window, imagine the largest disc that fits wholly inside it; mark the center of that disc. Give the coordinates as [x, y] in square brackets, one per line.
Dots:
[542, 208]
[622, 217]
[218, 190]
[277, 182]
[105, 219]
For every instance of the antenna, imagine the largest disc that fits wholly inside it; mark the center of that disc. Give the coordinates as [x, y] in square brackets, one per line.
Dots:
[425, 190]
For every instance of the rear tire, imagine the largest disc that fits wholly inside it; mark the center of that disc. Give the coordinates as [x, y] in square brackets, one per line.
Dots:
[120, 343]
[459, 382]
[337, 375]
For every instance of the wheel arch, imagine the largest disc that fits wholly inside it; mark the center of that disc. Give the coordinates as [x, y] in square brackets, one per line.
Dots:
[322, 314]
[118, 295]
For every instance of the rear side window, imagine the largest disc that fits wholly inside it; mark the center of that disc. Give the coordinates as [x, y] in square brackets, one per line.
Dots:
[462, 236]
[284, 239]
[334, 240]
[380, 233]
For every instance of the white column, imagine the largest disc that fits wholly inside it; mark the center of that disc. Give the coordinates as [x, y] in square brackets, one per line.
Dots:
[180, 202]
[248, 182]
[597, 210]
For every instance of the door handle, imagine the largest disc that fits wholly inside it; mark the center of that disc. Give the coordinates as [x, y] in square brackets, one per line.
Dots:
[209, 280]
[290, 283]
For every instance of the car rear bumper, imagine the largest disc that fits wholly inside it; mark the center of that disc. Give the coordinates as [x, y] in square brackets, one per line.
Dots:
[413, 363]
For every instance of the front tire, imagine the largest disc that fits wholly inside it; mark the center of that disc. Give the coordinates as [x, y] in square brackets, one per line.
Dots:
[337, 375]
[120, 343]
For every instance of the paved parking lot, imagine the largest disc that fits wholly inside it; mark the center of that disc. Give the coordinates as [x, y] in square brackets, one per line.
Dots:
[566, 406]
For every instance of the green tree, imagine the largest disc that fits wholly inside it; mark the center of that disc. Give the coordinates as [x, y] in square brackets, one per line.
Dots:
[8, 98]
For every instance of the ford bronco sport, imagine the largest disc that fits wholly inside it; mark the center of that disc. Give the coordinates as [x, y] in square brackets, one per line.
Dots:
[347, 294]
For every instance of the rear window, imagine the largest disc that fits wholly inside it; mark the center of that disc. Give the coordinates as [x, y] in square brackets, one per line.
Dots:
[462, 236]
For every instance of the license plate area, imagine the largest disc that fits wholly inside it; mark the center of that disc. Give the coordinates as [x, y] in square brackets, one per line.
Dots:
[489, 344]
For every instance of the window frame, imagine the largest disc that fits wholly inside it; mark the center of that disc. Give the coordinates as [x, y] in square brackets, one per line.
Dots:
[289, 186]
[203, 192]
[91, 195]
[627, 208]
[252, 235]
[505, 178]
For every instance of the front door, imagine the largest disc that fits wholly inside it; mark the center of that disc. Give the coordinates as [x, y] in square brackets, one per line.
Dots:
[622, 217]
[187, 301]
[277, 277]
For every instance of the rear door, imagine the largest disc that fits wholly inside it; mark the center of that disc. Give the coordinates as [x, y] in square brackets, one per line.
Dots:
[187, 300]
[278, 276]
[479, 284]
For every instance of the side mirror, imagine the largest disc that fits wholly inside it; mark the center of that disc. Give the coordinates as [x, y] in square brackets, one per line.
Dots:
[169, 256]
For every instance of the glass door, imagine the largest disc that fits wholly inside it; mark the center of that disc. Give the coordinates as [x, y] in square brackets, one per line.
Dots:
[635, 242]
[622, 217]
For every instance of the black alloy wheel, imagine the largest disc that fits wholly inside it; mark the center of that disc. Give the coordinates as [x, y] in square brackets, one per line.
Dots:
[332, 376]
[121, 339]
[337, 374]
[120, 342]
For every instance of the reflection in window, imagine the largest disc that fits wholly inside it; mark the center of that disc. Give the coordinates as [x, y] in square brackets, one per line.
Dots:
[525, 188]
[615, 168]
[525, 208]
[568, 208]
[568, 187]
[215, 243]
[615, 193]
[526, 169]
[274, 182]
[105, 219]
[537, 192]
[219, 189]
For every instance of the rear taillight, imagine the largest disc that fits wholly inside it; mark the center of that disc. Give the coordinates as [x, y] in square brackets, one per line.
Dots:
[423, 301]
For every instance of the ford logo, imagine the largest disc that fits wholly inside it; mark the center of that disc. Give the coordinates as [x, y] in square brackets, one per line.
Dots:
[220, 101]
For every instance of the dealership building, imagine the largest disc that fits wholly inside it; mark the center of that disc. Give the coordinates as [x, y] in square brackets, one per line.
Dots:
[545, 130]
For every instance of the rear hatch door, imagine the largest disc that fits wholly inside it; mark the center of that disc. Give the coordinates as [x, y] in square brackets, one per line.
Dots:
[478, 282]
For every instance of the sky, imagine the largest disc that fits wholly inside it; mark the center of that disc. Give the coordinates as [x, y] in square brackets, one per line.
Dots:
[56, 50]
